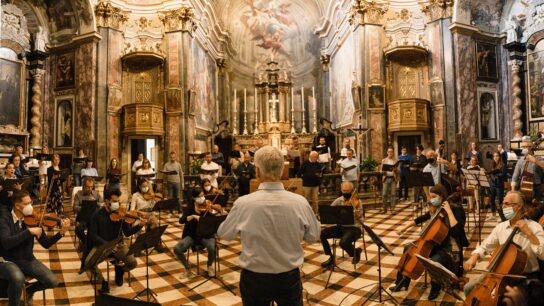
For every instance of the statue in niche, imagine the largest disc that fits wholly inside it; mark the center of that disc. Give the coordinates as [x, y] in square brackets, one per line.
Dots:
[39, 40]
[512, 27]
[487, 101]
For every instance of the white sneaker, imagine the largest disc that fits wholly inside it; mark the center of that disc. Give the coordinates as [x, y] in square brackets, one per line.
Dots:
[188, 274]
[211, 271]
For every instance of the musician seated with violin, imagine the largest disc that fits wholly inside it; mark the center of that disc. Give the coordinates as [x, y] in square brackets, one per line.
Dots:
[518, 230]
[107, 224]
[450, 218]
[143, 202]
[210, 192]
[86, 194]
[347, 234]
[17, 248]
[190, 218]
[527, 176]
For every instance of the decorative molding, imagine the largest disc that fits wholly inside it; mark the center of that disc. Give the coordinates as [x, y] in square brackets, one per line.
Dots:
[325, 61]
[14, 26]
[181, 19]
[364, 11]
[109, 16]
[438, 9]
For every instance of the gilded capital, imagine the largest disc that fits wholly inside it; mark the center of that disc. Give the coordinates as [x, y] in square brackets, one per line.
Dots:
[325, 60]
[181, 19]
[109, 16]
[437, 9]
[364, 11]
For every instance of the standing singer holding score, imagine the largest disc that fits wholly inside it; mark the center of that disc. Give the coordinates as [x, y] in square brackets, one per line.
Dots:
[271, 223]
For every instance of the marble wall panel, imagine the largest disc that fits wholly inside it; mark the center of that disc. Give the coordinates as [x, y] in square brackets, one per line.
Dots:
[173, 59]
[377, 135]
[174, 133]
[114, 140]
[115, 41]
[86, 61]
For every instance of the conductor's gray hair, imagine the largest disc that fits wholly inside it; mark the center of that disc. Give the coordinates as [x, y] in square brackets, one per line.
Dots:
[269, 160]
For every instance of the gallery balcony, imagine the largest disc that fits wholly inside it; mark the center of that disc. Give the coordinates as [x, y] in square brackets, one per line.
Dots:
[143, 119]
[408, 115]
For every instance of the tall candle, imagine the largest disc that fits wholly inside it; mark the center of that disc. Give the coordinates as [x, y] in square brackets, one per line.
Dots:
[235, 101]
[313, 95]
[245, 104]
[256, 102]
[292, 99]
[302, 98]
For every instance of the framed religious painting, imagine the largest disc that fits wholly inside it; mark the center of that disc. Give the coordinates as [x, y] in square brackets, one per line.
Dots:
[12, 94]
[535, 84]
[487, 62]
[376, 96]
[65, 74]
[356, 94]
[488, 127]
[64, 127]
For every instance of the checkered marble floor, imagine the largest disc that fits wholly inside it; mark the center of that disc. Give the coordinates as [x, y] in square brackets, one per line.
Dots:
[164, 270]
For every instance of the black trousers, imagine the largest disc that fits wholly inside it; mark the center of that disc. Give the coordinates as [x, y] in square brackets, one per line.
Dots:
[260, 289]
[347, 234]
[403, 186]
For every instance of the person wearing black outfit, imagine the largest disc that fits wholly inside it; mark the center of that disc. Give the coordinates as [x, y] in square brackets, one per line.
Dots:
[113, 174]
[54, 178]
[197, 209]
[86, 194]
[7, 189]
[496, 183]
[246, 172]
[474, 152]
[102, 230]
[311, 172]
[17, 258]
[445, 252]
[417, 163]
[404, 160]
[20, 170]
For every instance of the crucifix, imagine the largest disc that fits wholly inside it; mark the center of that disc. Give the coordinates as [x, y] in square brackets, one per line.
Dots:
[273, 101]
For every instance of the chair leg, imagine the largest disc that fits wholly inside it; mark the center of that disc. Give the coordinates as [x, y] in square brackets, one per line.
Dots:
[43, 294]
[364, 244]
[197, 263]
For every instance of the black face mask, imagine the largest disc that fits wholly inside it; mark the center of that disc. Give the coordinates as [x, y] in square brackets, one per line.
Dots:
[346, 195]
[430, 160]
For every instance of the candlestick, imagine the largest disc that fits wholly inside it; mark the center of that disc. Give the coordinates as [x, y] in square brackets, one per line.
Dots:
[303, 131]
[256, 129]
[314, 129]
[234, 119]
[267, 107]
[245, 112]
[293, 111]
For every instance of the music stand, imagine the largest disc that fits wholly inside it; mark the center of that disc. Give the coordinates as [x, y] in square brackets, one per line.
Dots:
[146, 241]
[419, 179]
[98, 255]
[381, 245]
[338, 216]
[439, 274]
[477, 179]
[168, 204]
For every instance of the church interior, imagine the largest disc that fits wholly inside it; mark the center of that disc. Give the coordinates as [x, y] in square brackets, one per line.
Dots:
[149, 100]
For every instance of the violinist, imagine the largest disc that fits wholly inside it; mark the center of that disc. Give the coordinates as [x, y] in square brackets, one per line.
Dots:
[17, 249]
[530, 238]
[531, 167]
[190, 218]
[86, 194]
[143, 201]
[447, 253]
[347, 234]
[246, 172]
[113, 174]
[103, 229]
[209, 190]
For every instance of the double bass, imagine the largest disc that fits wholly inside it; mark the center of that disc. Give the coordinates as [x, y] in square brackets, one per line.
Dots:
[507, 260]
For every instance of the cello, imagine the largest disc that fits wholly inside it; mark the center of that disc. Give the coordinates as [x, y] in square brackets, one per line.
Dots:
[506, 260]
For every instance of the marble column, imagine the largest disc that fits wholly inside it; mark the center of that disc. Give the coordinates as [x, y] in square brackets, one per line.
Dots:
[36, 109]
[517, 124]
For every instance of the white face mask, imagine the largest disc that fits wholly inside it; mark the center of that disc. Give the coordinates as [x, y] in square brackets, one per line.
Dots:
[114, 206]
[207, 188]
[145, 189]
[200, 200]
[27, 210]
[509, 213]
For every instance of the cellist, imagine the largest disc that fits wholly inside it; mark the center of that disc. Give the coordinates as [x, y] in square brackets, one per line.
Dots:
[530, 238]
[445, 252]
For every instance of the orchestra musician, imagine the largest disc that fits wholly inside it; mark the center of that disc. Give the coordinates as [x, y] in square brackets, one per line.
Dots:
[497, 178]
[434, 168]
[77, 165]
[324, 154]
[113, 174]
[389, 182]
[311, 172]
[20, 170]
[474, 152]
[88, 193]
[103, 229]
[348, 234]
[473, 165]
[89, 170]
[209, 190]
[17, 258]
[190, 218]
[5, 193]
[246, 172]
[418, 162]
[454, 167]
[527, 162]
[530, 238]
[449, 254]
[210, 170]
[56, 197]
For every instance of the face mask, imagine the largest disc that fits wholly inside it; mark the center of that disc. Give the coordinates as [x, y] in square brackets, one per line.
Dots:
[436, 202]
[430, 160]
[145, 189]
[27, 210]
[200, 200]
[524, 151]
[114, 206]
[346, 195]
[509, 213]
[208, 188]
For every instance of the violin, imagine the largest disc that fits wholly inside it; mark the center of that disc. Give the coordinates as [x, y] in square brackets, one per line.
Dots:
[354, 201]
[129, 217]
[42, 219]
[506, 261]
[434, 233]
[150, 195]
